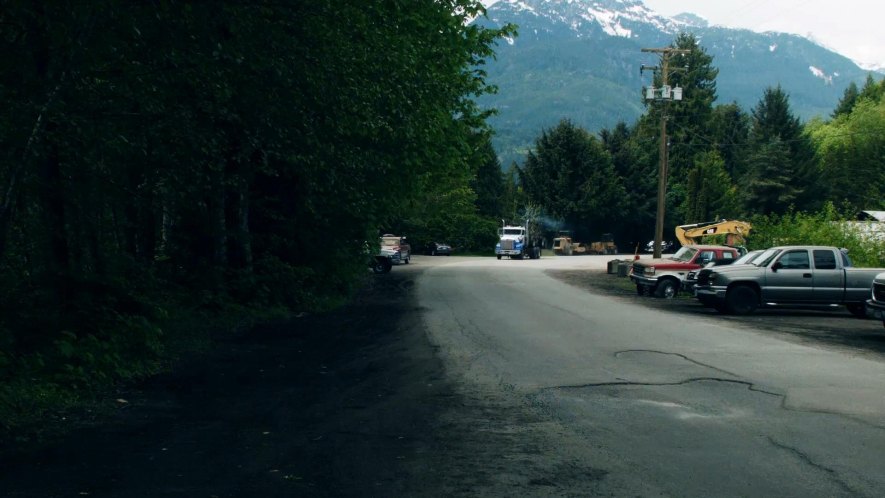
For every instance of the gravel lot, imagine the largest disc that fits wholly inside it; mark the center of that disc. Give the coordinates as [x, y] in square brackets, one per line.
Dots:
[827, 327]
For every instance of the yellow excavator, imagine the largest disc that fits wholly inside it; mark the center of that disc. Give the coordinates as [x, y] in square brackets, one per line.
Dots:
[735, 232]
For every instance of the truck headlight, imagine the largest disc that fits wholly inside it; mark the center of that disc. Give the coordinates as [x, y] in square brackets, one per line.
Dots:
[649, 270]
[711, 278]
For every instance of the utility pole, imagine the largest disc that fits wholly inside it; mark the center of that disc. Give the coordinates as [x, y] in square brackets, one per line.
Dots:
[663, 94]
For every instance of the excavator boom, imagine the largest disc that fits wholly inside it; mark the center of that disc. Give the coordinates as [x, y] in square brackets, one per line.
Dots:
[734, 230]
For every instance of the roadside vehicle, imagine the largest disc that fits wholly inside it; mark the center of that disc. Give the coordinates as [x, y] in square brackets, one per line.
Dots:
[666, 246]
[379, 262]
[663, 277]
[439, 249]
[518, 242]
[604, 246]
[876, 302]
[788, 275]
[692, 278]
[562, 246]
[396, 248]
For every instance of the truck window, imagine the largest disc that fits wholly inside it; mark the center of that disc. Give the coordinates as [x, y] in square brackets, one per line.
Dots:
[727, 255]
[846, 261]
[795, 260]
[706, 257]
[824, 259]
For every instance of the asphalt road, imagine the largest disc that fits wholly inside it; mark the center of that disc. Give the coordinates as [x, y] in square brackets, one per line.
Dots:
[484, 378]
[658, 404]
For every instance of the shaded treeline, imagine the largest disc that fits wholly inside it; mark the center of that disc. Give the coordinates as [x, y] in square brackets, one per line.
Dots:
[160, 157]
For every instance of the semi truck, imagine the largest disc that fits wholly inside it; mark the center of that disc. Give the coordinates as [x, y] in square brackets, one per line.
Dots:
[518, 242]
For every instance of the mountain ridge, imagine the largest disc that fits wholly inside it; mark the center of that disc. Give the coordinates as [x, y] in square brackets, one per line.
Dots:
[580, 59]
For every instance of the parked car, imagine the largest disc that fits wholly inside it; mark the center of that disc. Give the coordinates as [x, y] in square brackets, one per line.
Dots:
[692, 278]
[380, 262]
[666, 246]
[396, 248]
[663, 277]
[876, 302]
[789, 275]
[439, 249]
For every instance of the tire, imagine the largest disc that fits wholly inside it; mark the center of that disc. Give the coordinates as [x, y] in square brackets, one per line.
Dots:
[640, 290]
[499, 256]
[741, 300]
[857, 309]
[406, 261]
[382, 265]
[433, 253]
[667, 289]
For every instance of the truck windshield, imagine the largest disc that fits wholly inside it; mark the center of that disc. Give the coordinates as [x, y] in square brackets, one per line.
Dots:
[748, 258]
[766, 257]
[513, 231]
[685, 254]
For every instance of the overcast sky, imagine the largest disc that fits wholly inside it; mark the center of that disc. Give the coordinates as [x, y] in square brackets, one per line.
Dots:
[853, 28]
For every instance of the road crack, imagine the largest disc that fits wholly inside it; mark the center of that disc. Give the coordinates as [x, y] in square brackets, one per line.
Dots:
[750, 386]
[802, 456]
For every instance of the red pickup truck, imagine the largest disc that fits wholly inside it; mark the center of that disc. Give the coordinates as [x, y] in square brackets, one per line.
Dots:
[663, 277]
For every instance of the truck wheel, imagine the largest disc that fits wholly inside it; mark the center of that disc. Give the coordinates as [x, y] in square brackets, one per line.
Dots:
[857, 309]
[406, 261]
[666, 289]
[640, 290]
[382, 265]
[741, 300]
[499, 256]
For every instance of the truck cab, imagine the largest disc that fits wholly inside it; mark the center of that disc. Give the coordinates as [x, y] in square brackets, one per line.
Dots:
[662, 277]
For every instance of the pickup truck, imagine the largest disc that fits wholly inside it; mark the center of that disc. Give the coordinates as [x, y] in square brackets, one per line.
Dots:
[663, 277]
[876, 302]
[691, 279]
[803, 275]
[396, 248]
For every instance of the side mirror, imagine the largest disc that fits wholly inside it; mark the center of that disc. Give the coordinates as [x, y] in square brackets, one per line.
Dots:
[776, 266]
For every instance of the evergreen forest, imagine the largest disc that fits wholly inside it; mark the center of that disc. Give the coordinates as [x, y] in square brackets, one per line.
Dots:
[174, 167]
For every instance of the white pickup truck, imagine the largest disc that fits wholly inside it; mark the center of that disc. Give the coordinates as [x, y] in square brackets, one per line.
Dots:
[396, 248]
[805, 275]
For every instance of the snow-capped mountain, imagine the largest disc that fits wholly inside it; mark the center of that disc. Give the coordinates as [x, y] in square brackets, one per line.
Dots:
[580, 59]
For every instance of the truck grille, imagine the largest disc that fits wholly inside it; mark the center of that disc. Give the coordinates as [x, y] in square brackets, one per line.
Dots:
[507, 244]
[879, 292]
[704, 277]
[637, 269]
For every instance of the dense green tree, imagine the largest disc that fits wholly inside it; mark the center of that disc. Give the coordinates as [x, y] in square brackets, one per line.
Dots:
[777, 134]
[489, 183]
[872, 90]
[770, 186]
[847, 102]
[636, 167]
[728, 132]
[710, 192]
[222, 153]
[570, 175]
[851, 153]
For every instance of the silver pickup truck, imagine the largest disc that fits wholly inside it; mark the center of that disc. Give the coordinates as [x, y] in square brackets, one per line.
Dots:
[788, 275]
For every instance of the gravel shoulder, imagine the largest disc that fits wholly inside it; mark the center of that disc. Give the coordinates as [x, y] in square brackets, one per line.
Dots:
[824, 327]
